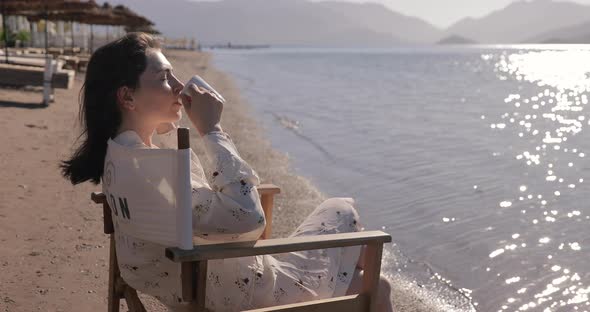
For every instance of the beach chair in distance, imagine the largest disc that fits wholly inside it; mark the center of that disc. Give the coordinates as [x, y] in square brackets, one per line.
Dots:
[194, 261]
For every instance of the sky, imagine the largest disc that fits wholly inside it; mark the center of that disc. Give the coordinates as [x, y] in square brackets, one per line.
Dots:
[443, 13]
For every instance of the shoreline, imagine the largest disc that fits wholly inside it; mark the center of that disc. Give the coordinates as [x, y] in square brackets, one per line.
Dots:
[54, 255]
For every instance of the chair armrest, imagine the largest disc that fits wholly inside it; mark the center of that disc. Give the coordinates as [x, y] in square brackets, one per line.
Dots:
[98, 197]
[277, 245]
[264, 189]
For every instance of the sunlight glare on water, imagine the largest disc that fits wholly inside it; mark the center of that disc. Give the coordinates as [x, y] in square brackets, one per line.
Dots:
[563, 78]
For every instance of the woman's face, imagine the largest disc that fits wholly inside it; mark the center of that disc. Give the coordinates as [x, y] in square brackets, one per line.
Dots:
[157, 99]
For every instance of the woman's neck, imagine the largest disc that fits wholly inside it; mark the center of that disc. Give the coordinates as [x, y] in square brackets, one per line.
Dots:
[144, 132]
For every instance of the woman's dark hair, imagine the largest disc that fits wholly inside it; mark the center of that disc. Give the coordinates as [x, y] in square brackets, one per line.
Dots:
[117, 64]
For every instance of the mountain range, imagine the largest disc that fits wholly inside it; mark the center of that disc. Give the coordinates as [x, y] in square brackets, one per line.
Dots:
[521, 21]
[345, 24]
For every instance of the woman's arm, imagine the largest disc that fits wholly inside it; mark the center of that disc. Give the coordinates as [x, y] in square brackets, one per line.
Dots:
[227, 208]
[230, 208]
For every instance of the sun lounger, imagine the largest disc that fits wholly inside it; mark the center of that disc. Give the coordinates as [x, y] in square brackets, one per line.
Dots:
[27, 61]
[55, 51]
[35, 51]
[83, 62]
[21, 75]
[70, 62]
[71, 50]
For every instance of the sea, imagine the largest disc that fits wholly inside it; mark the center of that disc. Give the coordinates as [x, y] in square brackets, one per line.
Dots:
[476, 159]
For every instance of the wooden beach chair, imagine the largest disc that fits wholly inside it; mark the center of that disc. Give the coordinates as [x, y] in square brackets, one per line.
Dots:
[194, 262]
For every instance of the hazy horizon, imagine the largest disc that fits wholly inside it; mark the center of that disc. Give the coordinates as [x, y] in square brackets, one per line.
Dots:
[441, 14]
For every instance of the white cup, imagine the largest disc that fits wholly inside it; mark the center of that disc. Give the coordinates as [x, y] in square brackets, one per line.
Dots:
[201, 83]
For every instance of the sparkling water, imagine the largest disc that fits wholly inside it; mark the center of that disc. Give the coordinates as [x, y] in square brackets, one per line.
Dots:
[472, 158]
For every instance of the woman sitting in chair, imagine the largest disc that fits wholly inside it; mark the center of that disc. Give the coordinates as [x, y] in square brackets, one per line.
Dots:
[131, 96]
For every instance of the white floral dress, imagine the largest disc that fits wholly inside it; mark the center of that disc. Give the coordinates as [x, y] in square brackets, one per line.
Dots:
[228, 209]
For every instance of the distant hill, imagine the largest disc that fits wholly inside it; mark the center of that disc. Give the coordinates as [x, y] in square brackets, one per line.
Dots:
[285, 22]
[520, 21]
[454, 39]
[381, 19]
[574, 34]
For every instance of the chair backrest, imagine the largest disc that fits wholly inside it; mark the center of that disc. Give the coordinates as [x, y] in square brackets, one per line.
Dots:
[149, 192]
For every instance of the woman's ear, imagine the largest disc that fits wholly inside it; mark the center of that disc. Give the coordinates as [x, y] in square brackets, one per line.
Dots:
[125, 98]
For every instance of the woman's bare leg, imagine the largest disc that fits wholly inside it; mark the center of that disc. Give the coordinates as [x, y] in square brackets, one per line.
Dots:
[384, 301]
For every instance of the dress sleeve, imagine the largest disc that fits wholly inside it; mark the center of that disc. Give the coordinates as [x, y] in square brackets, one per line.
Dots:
[226, 205]
[229, 209]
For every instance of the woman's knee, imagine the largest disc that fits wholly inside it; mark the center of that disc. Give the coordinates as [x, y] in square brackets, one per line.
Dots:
[342, 211]
[341, 205]
[338, 202]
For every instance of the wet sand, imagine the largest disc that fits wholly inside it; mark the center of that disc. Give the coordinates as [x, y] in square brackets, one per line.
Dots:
[53, 253]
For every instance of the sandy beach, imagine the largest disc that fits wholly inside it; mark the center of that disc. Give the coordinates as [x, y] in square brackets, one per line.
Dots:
[53, 253]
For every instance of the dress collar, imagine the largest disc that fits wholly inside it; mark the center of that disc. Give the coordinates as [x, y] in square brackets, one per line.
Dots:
[130, 138]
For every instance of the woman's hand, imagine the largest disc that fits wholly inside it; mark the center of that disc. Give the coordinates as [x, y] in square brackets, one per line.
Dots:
[203, 109]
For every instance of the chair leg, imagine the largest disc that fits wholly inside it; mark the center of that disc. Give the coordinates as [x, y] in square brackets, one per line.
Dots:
[133, 301]
[201, 285]
[194, 282]
[114, 296]
[372, 273]
[267, 202]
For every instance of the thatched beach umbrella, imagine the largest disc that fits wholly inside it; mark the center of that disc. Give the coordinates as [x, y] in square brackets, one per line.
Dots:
[95, 15]
[104, 15]
[85, 12]
[123, 16]
[132, 19]
[42, 8]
